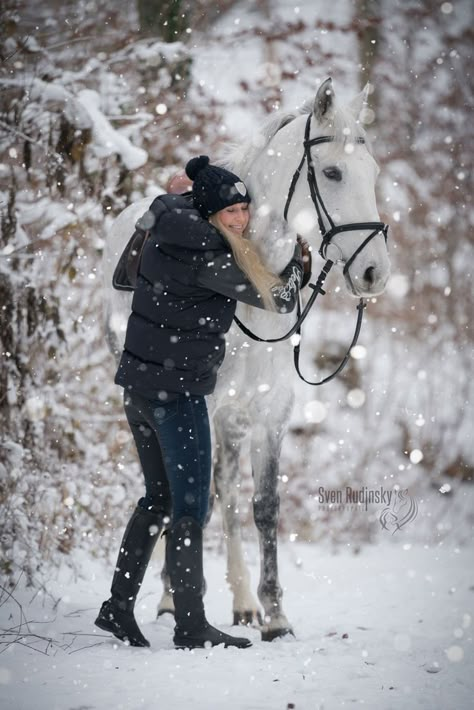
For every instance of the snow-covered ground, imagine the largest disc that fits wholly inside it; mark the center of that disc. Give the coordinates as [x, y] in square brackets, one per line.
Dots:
[388, 628]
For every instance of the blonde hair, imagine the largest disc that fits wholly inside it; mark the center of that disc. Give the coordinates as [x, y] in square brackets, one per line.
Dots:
[249, 261]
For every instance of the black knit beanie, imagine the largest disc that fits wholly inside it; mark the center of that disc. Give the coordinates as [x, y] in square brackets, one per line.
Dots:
[214, 188]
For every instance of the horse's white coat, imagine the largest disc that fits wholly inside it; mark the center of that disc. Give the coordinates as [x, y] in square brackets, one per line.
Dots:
[117, 304]
[254, 394]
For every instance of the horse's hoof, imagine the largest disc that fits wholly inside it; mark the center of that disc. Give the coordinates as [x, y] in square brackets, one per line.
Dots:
[162, 612]
[272, 634]
[247, 618]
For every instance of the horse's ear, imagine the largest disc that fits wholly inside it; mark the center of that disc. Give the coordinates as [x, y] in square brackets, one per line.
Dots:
[324, 102]
[361, 100]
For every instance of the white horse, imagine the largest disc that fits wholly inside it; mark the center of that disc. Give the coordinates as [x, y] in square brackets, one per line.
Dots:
[254, 394]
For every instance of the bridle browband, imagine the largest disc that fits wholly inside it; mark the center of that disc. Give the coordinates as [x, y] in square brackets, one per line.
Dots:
[327, 235]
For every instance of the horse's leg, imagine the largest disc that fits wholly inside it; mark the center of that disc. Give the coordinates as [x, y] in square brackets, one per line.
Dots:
[230, 426]
[166, 604]
[265, 451]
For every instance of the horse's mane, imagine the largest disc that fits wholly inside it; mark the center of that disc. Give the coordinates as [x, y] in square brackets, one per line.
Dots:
[344, 127]
[239, 156]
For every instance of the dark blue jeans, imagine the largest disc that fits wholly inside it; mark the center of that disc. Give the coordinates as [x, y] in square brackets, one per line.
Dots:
[173, 441]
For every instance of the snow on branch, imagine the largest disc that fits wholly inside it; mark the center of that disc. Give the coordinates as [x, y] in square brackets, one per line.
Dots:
[106, 140]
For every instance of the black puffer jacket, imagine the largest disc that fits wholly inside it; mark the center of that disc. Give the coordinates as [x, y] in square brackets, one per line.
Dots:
[185, 299]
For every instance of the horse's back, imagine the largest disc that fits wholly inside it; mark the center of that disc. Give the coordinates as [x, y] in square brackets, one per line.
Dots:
[117, 304]
[121, 231]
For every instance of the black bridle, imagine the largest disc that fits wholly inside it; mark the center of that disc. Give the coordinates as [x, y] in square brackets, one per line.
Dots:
[327, 235]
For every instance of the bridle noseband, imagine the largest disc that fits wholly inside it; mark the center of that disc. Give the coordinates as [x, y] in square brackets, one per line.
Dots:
[327, 235]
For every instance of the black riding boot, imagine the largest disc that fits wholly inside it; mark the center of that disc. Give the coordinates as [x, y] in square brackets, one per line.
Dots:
[184, 560]
[116, 614]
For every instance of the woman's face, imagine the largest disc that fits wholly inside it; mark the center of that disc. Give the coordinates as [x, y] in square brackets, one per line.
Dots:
[235, 217]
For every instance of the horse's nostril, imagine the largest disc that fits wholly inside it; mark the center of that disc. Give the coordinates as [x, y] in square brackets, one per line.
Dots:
[369, 275]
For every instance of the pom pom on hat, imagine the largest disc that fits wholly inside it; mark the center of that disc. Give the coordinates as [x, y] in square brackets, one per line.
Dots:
[195, 165]
[214, 188]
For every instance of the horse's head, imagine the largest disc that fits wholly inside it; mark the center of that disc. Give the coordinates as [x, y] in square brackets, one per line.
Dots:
[339, 206]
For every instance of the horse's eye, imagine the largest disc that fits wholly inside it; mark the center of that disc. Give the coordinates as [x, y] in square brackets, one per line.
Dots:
[333, 173]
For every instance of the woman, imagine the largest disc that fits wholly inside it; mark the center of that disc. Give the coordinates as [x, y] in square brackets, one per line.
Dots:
[189, 282]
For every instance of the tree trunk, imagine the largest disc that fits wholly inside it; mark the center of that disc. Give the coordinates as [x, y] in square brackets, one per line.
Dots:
[368, 15]
[165, 19]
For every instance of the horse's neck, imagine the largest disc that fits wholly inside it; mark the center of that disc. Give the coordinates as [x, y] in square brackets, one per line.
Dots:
[274, 240]
[269, 190]
[269, 231]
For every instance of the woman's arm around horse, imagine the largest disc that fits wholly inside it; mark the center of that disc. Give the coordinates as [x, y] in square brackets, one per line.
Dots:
[224, 276]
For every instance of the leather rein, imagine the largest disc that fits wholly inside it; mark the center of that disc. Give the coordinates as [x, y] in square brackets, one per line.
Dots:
[327, 235]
